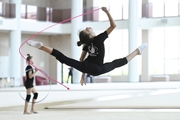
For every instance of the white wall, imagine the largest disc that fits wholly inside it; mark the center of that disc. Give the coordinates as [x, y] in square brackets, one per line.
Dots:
[40, 3]
[4, 66]
[55, 28]
[4, 44]
[61, 4]
[41, 59]
[4, 1]
[61, 43]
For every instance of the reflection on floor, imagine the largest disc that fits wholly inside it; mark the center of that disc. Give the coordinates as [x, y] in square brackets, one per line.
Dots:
[153, 99]
[102, 102]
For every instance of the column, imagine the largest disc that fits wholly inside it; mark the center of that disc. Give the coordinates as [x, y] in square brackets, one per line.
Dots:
[76, 9]
[133, 75]
[14, 43]
[146, 58]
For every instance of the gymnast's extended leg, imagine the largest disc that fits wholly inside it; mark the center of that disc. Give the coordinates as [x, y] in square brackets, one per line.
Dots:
[59, 56]
[121, 62]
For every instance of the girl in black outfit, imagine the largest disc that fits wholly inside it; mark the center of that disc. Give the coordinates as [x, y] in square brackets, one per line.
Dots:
[30, 73]
[94, 46]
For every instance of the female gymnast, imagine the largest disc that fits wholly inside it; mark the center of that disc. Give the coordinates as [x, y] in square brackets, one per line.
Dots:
[94, 46]
[29, 85]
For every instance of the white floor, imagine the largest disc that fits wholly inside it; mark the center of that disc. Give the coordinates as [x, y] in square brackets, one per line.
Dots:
[117, 101]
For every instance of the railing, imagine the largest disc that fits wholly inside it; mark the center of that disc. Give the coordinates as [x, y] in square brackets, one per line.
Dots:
[7, 10]
[147, 10]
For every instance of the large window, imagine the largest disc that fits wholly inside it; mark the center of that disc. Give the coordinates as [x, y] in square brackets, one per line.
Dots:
[116, 46]
[158, 8]
[171, 7]
[119, 9]
[162, 8]
[31, 12]
[23, 11]
[166, 47]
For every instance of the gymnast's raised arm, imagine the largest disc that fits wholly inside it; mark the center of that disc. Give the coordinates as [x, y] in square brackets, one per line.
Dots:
[112, 23]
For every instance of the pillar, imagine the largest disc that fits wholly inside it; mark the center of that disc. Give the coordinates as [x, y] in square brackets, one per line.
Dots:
[133, 75]
[146, 58]
[14, 44]
[76, 9]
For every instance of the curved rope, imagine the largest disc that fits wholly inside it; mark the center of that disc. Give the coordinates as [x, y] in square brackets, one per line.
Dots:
[46, 29]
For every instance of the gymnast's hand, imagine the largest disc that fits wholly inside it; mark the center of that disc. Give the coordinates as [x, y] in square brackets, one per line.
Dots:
[36, 69]
[82, 80]
[104, 9]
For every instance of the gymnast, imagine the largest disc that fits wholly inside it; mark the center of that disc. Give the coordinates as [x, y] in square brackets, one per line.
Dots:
[94, 46]
[29, 85]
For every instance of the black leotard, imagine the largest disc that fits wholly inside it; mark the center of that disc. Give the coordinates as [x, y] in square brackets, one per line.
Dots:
[29, 81]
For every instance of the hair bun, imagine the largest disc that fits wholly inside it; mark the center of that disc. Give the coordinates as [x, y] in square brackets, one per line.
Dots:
[79, 43]
[28, 55]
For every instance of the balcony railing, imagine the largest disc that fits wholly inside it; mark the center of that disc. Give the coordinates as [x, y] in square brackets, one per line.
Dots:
[7, 10]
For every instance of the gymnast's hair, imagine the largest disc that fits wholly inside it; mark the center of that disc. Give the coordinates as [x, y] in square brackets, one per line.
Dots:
[84, 38]
[29, 57]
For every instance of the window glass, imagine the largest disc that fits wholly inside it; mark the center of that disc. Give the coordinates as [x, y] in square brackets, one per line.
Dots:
[158, 8]
[116, 46]
[166, 50]
[23, 11]
[31, 12]
[171, 7]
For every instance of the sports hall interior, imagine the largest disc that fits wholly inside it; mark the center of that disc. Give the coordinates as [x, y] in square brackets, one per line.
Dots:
[147, 88]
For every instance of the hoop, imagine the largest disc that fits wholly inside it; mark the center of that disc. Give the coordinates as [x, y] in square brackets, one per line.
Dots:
[45, 95]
